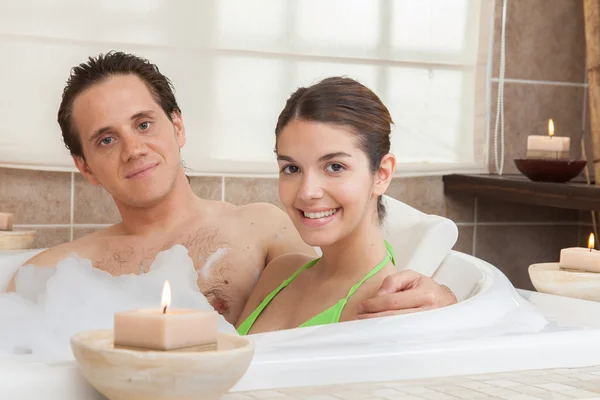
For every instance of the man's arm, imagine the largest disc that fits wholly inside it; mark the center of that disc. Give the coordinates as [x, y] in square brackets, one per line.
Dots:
[406, 292]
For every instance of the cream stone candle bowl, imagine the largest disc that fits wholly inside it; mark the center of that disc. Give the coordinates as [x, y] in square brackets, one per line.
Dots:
[549, 278]
[121, 374]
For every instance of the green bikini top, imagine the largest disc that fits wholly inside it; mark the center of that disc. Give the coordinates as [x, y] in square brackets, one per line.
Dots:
[329, 316]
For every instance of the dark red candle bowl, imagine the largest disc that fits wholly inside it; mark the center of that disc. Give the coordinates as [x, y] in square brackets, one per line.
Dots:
[549, 170]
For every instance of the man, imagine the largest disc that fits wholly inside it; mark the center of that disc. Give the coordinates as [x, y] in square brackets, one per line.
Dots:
[121, 122]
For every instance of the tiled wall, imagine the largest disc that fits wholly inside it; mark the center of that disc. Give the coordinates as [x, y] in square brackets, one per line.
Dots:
[61, 206]
[545, 74]
[545, 78]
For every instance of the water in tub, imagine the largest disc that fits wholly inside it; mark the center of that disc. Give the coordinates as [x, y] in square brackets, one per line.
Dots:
[52, 304]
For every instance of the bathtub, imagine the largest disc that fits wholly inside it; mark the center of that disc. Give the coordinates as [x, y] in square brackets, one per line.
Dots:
[494, 329]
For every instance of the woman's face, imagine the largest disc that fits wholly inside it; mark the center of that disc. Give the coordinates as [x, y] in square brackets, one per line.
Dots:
[324, 181]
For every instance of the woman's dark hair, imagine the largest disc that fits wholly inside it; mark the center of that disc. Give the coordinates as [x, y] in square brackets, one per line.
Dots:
[348, 103]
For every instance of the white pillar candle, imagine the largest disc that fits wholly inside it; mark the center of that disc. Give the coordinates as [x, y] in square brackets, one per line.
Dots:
[165, 329]
[581, 259]
[548, 142]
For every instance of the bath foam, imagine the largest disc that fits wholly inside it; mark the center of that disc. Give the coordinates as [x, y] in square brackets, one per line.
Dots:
[52, 304]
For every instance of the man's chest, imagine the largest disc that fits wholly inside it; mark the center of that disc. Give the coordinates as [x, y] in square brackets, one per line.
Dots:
[228, 266]
[207, 247]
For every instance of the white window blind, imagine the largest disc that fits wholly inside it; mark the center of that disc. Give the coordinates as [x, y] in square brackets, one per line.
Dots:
[235, 62]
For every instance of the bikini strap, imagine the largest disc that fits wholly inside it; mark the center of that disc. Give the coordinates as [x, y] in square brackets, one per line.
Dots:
[245, 326]
[389, 257]
[390, 251]
[328, 316]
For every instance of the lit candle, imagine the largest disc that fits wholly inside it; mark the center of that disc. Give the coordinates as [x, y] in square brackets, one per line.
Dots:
[580, 259]
[166, 329]
[548, 146]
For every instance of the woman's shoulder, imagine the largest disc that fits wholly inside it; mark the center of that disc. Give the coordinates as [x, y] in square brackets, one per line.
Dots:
[277, 271]
[288, 263]
[280, 269]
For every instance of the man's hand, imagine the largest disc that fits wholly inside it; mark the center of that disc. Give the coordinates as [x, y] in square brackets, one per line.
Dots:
[406, 292]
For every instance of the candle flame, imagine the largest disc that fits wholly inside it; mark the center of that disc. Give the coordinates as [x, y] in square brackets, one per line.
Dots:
[550, 127]
[166, 297]
[591, 242]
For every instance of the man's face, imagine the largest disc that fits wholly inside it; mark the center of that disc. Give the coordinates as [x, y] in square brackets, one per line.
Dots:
[131, 147]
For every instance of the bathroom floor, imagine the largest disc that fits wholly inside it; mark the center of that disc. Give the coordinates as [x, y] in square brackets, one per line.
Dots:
[550, 384]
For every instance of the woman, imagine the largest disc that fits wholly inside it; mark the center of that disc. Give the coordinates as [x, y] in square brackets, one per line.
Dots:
[332, 145]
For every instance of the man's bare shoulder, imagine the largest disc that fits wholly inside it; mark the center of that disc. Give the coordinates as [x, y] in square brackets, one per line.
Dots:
[256, 216]
[276, 230]
[257, 210]
[52, 256]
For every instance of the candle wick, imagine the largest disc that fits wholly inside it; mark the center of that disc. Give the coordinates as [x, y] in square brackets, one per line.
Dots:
[165, 310]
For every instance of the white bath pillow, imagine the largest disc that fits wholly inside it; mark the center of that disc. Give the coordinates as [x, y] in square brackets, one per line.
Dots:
[420, 241]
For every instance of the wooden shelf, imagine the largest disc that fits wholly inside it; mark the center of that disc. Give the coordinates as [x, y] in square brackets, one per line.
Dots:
[519, 189]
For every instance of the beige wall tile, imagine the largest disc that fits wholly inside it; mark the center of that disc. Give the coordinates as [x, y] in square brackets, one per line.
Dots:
[78, 233]
[426, 194]
[527, 109]
[93, 204]
[240, 191]
[544, 40]
[489, 210]
[513, 248]
[207, 187]
[48, 237]
[464, 244]
[35, 197]
[460, 208]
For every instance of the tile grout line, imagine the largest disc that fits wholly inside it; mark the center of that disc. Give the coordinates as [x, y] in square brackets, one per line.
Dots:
[534, 82]
[72, 208]
[584, 111]
[488, 84]
[475, 210]
[47, 226]
[462, 224]
[531, 223]
[583, 117]
[223, 188]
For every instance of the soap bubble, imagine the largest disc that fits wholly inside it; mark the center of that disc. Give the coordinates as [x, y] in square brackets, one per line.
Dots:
[52, 304]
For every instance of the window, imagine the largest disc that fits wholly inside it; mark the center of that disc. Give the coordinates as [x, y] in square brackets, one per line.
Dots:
[235, 62]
